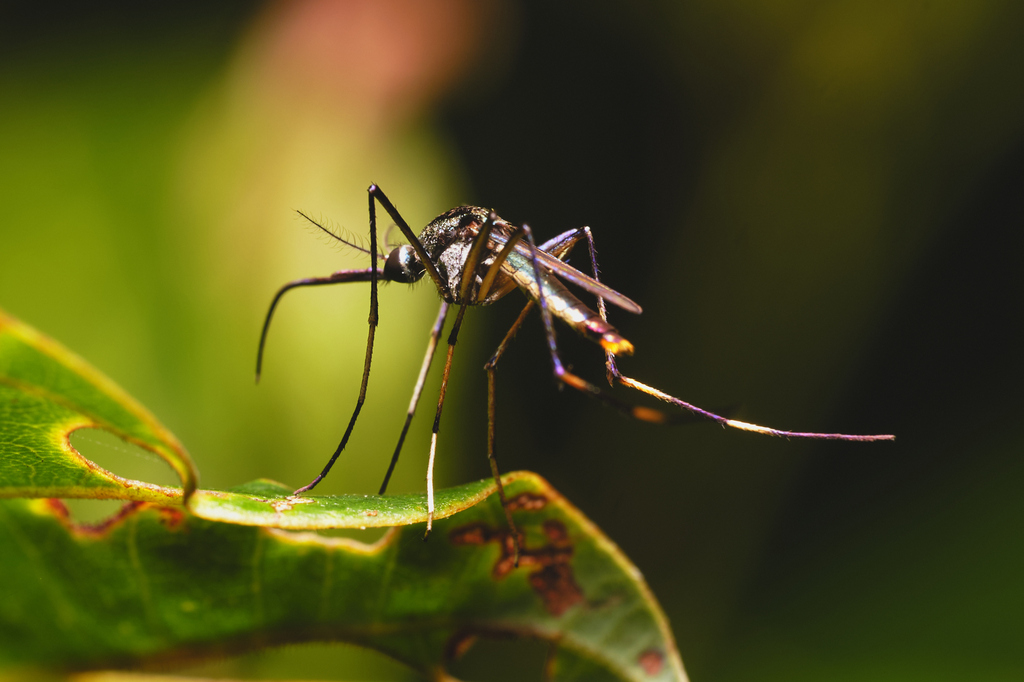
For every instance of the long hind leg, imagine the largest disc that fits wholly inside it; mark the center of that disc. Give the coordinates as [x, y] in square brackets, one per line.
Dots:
[615, 376]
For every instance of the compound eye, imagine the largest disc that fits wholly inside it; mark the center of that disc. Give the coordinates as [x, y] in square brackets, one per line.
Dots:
[403, 266]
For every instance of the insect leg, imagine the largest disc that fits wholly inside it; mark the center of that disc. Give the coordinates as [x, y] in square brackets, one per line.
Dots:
[735, 423]
[602, 309]
[492, 413]
[339, 277]
[466, 280]
[414, 242]
[559, 246]
[453, 338]
[614, 375]
[475, 257]
[372, 323]
[427, 359]
[572, 380]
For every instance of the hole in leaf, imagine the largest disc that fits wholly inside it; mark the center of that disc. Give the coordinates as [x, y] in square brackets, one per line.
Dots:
[92, 512]
[127, 460]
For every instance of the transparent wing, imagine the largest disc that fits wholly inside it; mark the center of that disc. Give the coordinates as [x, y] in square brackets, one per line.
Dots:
[571, 274]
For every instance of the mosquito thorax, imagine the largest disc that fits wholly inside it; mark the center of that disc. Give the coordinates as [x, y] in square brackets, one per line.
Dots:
[459, 224]
[402, 265]
[447, 239]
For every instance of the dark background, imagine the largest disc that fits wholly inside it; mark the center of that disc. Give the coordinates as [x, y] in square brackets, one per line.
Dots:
[819, 205]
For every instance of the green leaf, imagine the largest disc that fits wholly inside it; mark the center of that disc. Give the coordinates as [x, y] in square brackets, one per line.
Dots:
[272, 504]
[155, 583]
[46, 393]
[162, 582]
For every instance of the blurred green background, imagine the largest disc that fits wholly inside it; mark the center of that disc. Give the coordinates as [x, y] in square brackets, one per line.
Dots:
[820, 206]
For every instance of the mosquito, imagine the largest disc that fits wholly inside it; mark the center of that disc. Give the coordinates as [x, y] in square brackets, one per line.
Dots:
[474, 257]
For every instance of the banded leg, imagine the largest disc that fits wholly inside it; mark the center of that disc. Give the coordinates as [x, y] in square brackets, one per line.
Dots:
[435, 333]
[568, 378]
[372, 319]
[735, 423]
[466, 280]
[615, 376]
[453, 338]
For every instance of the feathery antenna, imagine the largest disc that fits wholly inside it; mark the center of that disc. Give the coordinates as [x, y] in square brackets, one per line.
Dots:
[332, 234]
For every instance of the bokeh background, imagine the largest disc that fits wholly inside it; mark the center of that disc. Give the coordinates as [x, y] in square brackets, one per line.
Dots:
[820, 206]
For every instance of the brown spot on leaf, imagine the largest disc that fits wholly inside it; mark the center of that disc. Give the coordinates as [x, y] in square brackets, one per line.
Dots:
[552, 579]
[472, 534]
[527, 502]
[652, 661]
[556, 532]
[557, 587]
[506, 563]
